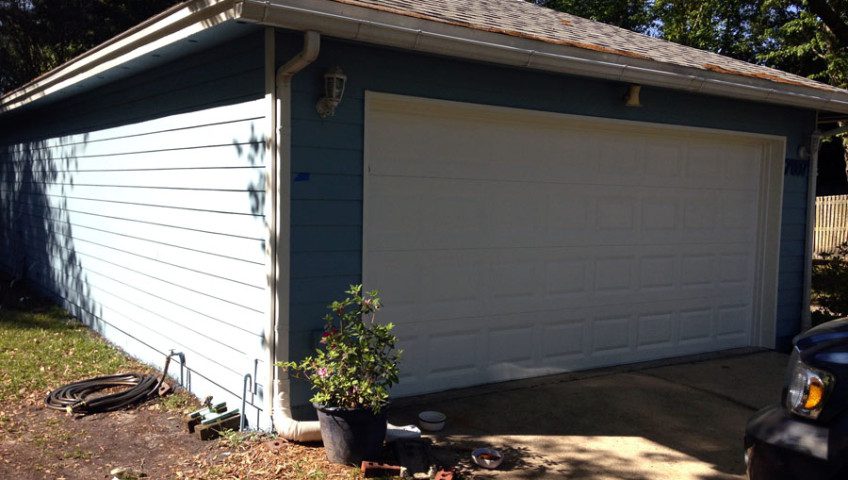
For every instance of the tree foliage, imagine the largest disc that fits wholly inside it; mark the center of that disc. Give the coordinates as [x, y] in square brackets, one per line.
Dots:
[630, 14]
[830, 285]
[39, 35]
[809, 38]
[805, 37]
[727, 27]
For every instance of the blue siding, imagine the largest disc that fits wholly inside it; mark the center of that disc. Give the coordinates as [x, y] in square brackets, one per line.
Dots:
[140, 207]
[327, 208]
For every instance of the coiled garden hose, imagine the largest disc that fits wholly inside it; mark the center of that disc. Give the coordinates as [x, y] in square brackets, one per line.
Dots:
[81, 397]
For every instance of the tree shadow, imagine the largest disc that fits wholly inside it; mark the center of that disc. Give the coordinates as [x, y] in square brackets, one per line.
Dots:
[632, 425]
[35, 231]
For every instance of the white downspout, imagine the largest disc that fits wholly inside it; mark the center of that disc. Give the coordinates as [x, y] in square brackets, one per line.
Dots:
[815, 143]
[809, 244]
[279, 404]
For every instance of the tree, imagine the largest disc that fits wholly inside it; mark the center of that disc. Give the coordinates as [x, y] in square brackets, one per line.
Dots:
[808, 37]
[39, 35]
[805, 37]
[728, 27]
[633, 15]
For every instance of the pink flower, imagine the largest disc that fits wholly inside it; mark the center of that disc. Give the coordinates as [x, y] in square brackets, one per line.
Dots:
[322, 372]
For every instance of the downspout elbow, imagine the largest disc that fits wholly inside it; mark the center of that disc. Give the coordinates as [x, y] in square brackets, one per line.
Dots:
[311, 48]
[286, 426]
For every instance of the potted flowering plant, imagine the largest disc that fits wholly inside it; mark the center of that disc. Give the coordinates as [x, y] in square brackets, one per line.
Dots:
[351, 372]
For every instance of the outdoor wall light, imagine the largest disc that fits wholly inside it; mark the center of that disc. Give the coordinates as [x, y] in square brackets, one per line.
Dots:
[334, 85]
[631, 98]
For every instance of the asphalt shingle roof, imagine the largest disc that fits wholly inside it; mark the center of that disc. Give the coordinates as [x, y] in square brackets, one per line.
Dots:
[523, 19]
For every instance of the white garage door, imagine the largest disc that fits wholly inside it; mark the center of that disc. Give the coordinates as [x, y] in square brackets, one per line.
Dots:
[511, 243]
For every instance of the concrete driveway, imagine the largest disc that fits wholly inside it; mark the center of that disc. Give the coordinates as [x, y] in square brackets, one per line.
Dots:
[678, 419]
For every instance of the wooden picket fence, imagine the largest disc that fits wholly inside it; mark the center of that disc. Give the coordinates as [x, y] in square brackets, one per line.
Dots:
[831, 223]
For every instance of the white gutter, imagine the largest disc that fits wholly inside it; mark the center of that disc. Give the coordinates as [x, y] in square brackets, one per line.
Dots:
[279, 403]
[396, 30]
[172, 25]
[809, 244]
[408, 33]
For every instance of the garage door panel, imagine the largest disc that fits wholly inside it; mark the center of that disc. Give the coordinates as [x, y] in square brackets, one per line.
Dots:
[461, 283]
[731, 321]
[515, 281]
[512, 345]
[566, 276]
[737, 207]
[452, 353]
[511, 244]
[456, 212]
[663, 165]
[705, 165]
[655, 330]
[564, 340]
[398, 226]
[611, 335]
[658, 273]
[616, 212]
[620, 161]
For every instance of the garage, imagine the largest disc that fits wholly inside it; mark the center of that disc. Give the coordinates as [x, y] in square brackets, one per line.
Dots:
[512, 243]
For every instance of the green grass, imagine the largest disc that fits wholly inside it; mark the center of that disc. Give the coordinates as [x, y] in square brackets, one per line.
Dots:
[44, 348]
[179, 402]
[77, 454]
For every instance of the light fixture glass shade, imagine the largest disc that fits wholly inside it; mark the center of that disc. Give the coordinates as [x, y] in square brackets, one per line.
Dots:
[334, 86]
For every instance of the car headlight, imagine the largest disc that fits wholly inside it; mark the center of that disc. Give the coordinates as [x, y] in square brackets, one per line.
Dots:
[806, 388]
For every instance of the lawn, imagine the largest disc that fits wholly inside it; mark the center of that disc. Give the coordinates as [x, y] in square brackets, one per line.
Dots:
[42, 347]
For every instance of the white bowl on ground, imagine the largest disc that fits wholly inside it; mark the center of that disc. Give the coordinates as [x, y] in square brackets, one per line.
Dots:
[487, 457]
[431, 421]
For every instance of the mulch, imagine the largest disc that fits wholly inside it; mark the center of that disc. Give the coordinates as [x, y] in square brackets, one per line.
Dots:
[38, 443]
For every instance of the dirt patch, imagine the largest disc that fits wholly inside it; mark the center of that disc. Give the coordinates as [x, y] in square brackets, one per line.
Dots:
[38, 443]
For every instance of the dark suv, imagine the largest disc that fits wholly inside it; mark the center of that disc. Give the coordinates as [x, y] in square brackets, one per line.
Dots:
[807, 436]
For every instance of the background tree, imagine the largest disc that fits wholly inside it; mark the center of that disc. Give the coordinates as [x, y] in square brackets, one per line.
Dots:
[728, 27]
[633, 15]
[39, 35]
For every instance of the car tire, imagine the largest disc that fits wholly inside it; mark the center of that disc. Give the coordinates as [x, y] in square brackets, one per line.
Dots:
[762, 465]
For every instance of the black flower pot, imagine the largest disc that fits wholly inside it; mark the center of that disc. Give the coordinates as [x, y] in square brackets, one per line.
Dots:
[351, 435]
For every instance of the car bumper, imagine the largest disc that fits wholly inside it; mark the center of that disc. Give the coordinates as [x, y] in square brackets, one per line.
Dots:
[774, 426]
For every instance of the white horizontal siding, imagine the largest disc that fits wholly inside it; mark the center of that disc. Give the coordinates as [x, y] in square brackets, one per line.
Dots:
[73, 209]
[219, 244]
[206, 200]
[154, 232]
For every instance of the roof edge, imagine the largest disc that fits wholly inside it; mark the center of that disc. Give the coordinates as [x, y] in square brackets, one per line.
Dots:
[357, 23]
[176, 23]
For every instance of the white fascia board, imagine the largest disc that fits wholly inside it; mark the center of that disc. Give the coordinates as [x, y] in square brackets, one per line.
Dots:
[394, 30]
[168, 27]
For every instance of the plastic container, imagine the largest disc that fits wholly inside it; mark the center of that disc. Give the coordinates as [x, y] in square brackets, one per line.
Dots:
[431, 421]
[487, 457]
